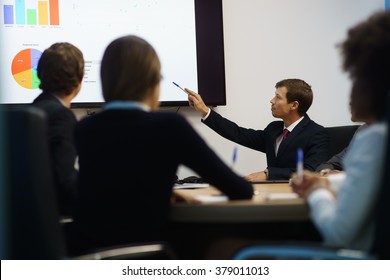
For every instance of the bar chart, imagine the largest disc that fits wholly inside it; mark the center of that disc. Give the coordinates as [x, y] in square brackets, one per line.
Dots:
[44, 13]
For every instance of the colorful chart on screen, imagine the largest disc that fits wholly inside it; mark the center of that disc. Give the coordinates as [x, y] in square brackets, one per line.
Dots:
[24, 68]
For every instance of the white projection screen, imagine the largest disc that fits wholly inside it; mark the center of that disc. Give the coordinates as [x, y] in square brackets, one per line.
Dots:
[187, 35]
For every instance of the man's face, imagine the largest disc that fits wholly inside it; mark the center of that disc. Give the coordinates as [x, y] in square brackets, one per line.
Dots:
[279, 106]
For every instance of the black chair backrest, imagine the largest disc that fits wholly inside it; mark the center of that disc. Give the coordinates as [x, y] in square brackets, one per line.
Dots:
[135, 251]
[30, 219]
[381, 245]
[339, 137]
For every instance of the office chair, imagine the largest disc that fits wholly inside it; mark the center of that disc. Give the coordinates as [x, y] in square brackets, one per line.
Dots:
[30, 221]
[381, 244]
[30, 216]
[339, 137]
[298, 252]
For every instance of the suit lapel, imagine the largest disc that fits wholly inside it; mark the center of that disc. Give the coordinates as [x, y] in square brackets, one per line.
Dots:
[293, 134]
[274, 134]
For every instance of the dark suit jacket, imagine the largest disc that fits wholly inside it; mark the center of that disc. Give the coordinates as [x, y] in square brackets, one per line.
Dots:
[336, 161]
[128, 161]
[308, 135]
[61, 122]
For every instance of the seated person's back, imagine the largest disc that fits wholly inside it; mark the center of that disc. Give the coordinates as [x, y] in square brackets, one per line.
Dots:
[129, 155]
[61, 70]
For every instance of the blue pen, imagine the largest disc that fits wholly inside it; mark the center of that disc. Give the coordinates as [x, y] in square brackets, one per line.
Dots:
[180, 87]
[299, 165]
[234, 158]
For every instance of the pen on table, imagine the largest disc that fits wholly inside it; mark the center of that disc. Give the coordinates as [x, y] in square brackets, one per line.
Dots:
[299, 165]
[234, 158]
[180, 87]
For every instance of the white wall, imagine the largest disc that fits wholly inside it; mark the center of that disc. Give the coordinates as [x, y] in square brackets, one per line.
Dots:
[270, 40]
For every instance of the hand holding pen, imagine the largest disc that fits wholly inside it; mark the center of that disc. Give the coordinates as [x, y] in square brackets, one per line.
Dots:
[299, 185]
[299, 165]
[180, 87]
[195, 100]
[310, 181]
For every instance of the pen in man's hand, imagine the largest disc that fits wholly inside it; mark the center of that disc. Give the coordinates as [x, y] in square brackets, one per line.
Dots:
[180, 87]
[299, 165]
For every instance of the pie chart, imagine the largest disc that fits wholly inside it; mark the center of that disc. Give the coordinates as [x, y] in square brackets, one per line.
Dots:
[24, 68]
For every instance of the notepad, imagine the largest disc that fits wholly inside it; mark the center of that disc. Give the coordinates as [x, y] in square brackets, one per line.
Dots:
[190, 186]
[271, 182]
[281, 196]
[211, 198]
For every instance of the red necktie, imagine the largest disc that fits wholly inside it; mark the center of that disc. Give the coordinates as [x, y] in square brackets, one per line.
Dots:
[284, 136]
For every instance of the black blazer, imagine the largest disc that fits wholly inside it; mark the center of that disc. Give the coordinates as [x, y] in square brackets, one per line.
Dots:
[61, 122]
[128, 161]
[308, 135]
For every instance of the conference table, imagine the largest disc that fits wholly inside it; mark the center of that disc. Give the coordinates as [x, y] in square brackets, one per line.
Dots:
[272, 202]
[203, 223]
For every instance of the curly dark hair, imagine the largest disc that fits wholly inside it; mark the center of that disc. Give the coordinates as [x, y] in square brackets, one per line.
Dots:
[366, 57]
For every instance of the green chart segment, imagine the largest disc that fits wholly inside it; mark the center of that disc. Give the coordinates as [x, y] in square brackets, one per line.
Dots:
[24, 68]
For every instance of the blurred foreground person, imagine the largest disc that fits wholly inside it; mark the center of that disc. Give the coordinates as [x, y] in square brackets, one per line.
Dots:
[345, 215]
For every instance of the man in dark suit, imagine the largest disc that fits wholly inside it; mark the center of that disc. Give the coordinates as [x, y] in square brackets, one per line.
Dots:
[280, 139]
[61, 70]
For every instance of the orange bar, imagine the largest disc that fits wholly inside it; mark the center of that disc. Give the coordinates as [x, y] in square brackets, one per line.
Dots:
[43, 13]
[54, 12]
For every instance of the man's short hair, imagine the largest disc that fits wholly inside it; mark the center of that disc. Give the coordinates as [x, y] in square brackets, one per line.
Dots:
[297, 90]
[60, 68]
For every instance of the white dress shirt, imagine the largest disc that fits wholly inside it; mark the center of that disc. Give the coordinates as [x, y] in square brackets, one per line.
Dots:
[289, 128]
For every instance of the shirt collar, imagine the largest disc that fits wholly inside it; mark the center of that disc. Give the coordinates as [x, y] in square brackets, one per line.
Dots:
[294, 124]
[128, 105]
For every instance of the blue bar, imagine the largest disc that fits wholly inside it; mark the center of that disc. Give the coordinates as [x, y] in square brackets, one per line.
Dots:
[8, 14]
[387, 4]
[20, 12]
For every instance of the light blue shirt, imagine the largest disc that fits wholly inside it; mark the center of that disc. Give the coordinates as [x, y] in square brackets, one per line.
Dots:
[129, 105]
[348, 220]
